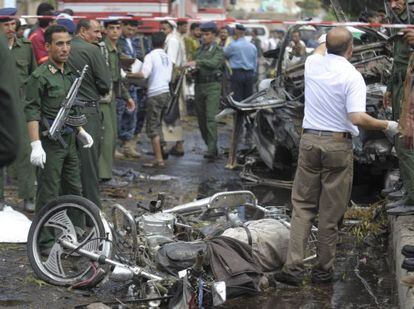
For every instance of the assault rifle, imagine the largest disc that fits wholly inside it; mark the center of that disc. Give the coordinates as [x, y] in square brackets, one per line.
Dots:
[54, 131]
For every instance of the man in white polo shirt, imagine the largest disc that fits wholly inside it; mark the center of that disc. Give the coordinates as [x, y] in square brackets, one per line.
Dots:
[157, 69]
[335, 99]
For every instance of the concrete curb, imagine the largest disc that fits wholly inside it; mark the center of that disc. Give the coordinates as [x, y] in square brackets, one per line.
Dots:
[402, 233]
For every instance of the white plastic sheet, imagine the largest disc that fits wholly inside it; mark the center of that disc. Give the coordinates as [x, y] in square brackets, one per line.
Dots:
[14, 226]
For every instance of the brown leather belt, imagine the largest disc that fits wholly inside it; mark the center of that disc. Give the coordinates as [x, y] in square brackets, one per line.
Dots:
[328, 133]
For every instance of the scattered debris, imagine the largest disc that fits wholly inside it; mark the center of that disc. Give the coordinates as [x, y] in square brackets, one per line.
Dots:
[116, 192]
[132, 175]
[372, 220]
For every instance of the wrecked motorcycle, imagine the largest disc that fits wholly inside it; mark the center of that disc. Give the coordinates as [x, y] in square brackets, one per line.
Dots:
[273, 116]
[159, 251]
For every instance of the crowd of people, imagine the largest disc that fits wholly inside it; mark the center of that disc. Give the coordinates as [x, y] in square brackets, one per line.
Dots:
[133, 83]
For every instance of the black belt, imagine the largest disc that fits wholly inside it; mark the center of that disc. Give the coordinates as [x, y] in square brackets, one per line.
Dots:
[328, 133]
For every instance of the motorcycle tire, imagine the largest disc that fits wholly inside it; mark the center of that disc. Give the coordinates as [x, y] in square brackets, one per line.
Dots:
[79, 221]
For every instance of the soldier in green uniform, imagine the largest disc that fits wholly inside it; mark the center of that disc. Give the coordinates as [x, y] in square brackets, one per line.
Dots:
[46, 89]
[112, 56]
[208, 64]
[9, 130]
[21, 49]
[394, 96]
[97, 82]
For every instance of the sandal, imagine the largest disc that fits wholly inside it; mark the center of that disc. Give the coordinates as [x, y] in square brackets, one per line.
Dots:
[175, 152]
[154, 164]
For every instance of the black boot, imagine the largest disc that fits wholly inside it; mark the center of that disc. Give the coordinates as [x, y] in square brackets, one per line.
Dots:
[288, 278]
[408, 264]
[397, 195]
[408, 251]
[403, 210]
[394, 204]
[385, 192]
[320, 276]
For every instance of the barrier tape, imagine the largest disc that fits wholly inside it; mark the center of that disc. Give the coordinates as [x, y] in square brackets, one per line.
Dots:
[229, 20]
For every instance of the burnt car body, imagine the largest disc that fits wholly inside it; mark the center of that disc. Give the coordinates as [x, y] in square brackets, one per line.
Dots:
[276, 111]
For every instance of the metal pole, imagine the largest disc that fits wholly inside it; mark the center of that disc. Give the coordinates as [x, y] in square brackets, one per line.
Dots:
[102, 259]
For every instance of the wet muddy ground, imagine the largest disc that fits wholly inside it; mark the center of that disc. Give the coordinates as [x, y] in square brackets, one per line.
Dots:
[362, 276]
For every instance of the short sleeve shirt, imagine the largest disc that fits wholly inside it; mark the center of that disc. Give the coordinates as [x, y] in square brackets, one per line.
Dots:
[157, 68]
[333, 89]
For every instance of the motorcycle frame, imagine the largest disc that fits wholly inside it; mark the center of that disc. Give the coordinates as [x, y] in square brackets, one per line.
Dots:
[219, 201]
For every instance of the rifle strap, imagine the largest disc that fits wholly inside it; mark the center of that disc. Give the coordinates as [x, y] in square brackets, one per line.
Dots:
[104, 52]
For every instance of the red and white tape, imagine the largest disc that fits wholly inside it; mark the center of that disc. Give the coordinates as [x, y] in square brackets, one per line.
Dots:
[230, 20]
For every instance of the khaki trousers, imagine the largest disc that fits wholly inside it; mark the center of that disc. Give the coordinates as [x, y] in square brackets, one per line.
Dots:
[322, 186]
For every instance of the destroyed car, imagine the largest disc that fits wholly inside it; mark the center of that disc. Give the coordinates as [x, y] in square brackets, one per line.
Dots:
[274, 114]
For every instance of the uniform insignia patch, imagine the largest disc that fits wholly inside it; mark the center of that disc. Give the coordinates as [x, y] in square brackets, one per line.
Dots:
[52, 69]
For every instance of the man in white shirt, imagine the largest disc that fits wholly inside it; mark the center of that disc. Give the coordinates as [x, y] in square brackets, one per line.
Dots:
[157, 68]
[175, 49]
[276, 37]
[296, 51]
[335, 100]
[174, 45]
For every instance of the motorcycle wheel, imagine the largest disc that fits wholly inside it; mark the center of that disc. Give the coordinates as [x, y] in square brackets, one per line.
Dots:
[74, 219]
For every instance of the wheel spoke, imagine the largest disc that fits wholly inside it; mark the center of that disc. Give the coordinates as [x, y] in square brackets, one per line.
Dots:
[62, 222]
[91, 242]
[54, 261]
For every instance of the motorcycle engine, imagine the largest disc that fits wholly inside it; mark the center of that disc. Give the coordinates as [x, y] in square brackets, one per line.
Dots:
[158, 229]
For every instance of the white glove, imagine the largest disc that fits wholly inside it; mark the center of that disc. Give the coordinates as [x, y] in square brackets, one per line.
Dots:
[38, 155]
[322, 39]
[392, 129]
[85, 138]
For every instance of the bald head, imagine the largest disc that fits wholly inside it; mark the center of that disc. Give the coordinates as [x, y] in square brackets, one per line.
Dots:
[339, 41]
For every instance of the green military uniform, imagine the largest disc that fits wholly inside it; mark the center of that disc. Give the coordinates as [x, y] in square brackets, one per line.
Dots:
[209, 61]
[110, 134]
[46, 89]
[9, 130]
[21, 168]
[406, 156]
[97, 82]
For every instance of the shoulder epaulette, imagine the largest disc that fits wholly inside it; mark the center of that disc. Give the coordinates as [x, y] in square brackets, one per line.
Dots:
[39, 70]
